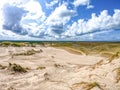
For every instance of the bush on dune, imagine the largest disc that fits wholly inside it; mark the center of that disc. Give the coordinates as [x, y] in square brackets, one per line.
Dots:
[16, 68]
[28, 52]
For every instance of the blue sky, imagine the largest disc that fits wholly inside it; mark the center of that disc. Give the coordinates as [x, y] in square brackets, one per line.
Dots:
[74, 20]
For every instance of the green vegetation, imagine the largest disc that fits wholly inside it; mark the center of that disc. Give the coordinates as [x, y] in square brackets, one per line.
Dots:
[16, 44]
[105, 49]
[16, 68]
[28, 52]
[21, 44]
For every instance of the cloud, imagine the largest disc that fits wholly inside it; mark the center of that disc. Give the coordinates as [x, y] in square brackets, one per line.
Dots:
[102, 22]
[51, 4]
[57, 29]
[26, 19]
[58, 19]
[34, 19]
[60, 15]
[90, 6]
[12, 17]
[22, 16]
[35, 11]
[83, 3]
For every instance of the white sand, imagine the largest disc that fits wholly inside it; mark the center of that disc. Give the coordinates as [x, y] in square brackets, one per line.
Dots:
[70, 74]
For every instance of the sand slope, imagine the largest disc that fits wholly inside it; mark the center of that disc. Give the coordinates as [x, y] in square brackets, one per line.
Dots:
[63, 70]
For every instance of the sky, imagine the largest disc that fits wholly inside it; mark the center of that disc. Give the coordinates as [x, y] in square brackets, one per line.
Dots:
[60, 20]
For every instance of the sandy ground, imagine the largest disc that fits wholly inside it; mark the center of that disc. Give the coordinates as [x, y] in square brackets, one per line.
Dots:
[63, 70]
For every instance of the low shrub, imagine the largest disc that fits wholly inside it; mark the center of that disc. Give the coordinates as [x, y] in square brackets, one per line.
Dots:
[16, 68]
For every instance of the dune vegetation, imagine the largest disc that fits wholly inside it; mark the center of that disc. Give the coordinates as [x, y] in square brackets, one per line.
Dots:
[16, 68]
[105, 49]
[59, 65]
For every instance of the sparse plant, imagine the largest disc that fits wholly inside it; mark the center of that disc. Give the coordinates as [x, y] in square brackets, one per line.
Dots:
[41, 67]
[16, 68]
[58, 65]
[28, 52]
[91, 85]
[114, 56]
[46, 76]
[106, 54]
[86, 85]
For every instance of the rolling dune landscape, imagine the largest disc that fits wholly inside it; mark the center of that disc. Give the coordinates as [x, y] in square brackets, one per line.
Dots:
[59, 66]
[60, 45]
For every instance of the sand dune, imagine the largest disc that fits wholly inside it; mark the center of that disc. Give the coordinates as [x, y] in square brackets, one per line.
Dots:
[57, 69]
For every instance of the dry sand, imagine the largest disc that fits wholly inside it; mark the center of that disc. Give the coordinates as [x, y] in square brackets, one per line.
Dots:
[63, 70]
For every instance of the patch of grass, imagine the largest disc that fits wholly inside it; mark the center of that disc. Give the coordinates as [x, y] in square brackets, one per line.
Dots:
[58, 65]
[16, 68]
[86, 85]
[88, 47]
[92, 85]
[28, 52]
[41, 68]
[106, 54]
[5, 44]
[15, 44]
[114, 56]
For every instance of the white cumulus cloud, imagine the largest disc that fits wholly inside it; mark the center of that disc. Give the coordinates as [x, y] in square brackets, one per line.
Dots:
[19, 16]
[59, 17]
[104, 21]
[83, 3]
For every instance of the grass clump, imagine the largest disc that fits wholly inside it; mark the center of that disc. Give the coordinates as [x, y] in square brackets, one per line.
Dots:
[114, 56]
[28, 52]
[86, 85]
[58, 65]
[47, 76]
[92, 85]
[41, 68]
[15, 44]
[5, 44]
[16, 68]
